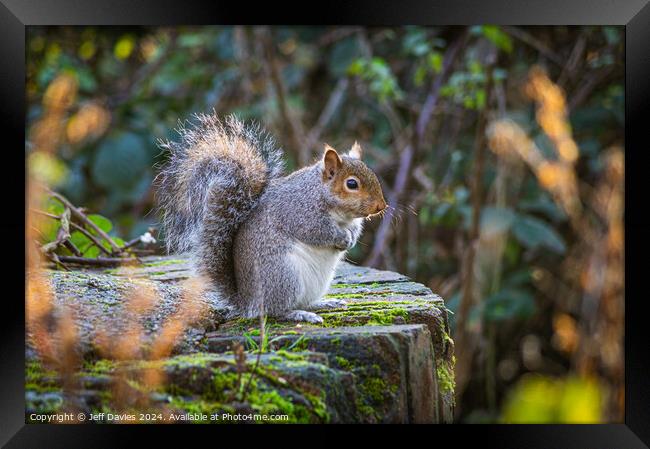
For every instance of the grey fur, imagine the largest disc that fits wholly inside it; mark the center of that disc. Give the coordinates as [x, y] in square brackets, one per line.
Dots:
[242, 239]
[202, 215]
[295, 207]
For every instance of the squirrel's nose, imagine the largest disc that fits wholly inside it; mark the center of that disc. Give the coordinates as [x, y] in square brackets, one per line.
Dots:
[380, 206]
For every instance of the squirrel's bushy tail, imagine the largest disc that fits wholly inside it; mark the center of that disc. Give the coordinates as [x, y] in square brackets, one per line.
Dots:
[209, 186]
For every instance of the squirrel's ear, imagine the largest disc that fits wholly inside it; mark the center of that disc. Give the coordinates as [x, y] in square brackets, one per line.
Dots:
[355, 152]
[331, 161]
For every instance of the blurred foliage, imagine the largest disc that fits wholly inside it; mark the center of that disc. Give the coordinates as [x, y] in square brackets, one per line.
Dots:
[100, 98]
[544, 400]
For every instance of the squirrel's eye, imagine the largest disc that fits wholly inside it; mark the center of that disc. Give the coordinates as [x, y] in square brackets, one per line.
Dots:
[352, 184]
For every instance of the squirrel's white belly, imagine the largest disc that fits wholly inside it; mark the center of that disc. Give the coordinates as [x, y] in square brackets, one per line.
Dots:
[315, 269]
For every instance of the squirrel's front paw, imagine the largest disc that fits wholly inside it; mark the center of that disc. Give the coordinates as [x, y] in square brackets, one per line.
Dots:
[303, 316]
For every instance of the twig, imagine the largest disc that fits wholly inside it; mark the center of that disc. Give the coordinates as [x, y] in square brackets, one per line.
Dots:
[588, 86]
[259, 353]
[82, 217]
[432, 98]
[574, 60]
[91, 237]
[326, 115]
[62, 235]
[131, 243]
[381, 238]
[99, 261]
[464, 338]
[336, 34]
[406, 158]
[529, 39]
[73, 249]
[56, 259]
[295, 127]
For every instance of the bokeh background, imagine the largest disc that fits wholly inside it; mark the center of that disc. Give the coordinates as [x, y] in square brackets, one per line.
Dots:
[500, 149]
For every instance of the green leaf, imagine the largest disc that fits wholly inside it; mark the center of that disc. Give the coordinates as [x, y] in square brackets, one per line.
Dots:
[612, 34]
[120, 161]
[419, 75]
[496, 220]
[512, 252]
[102, 222]
[92, 252]
[509, 303]
[480, 98]
[500, 39]
[435, 61]
[356, 67]
[518, 278]
[53, 206]
[499, 74]
[533, 232]
[544, 399]
[416, 42]
[49, 229]
[343, 54]
[544, 205]
[80, 241]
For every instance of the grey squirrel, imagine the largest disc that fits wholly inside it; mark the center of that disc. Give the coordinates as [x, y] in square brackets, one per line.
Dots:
[268, 243]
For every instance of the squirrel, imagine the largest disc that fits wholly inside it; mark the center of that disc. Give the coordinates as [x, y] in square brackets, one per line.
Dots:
[269, 244]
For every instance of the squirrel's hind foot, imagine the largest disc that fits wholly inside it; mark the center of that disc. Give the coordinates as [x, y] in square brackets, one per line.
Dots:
[328, 304]
[303, 316]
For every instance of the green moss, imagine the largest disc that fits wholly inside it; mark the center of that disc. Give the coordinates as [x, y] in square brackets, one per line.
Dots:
[225, 385]
[267, 393]
[374, 388]
[343, 363]
[201, 406]
[290, 355]
[445, 374]
[252, 325]
[40, 388]
[387, 316]
[385, 304]
[367, 411]
[299, 345]
[319, 407]
[99, 367]
[270, 402]
[363, 317]
[345, 295]
[201, 359]
[34, 371]
[40, 379]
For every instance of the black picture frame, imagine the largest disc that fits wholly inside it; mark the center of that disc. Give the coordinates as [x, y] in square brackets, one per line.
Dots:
[15, 15]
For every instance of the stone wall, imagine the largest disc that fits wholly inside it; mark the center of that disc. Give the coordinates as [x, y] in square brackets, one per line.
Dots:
[385, 358]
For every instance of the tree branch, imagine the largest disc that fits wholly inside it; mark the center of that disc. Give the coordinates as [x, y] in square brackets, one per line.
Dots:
[529, 39]
[326, 115]
[408, 153]
[82, 217]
